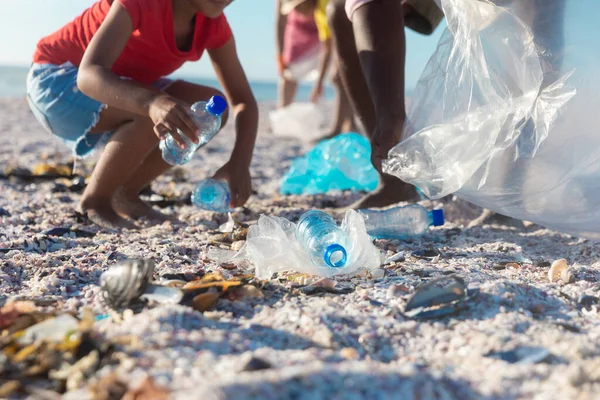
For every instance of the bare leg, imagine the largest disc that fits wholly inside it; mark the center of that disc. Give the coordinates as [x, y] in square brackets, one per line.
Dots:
[124, 152]
[126, 200]
[344, 117]
[287, 92]
[129, 162]
[392, 190]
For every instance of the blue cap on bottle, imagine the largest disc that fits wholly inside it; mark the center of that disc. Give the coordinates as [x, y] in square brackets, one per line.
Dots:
[216, 105]
[339, 260]
[437, 217]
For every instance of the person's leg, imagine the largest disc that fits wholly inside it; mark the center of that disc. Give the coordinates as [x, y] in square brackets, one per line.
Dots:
[130, 160]
[343, 116]
[127, 201]
[132, 140]
[287, 92]
[392, 190]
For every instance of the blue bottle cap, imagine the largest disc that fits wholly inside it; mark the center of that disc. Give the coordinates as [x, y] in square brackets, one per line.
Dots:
[216, 105]
[335, 260]
[438, 217]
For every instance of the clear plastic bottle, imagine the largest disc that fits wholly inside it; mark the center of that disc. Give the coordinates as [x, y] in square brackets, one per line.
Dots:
[212, 194]
[401, 222]
[207, 116]
[324, 241]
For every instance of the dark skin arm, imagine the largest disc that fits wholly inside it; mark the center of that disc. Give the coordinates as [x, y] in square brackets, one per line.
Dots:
[245, 110]
[380, 41]
[96, 80]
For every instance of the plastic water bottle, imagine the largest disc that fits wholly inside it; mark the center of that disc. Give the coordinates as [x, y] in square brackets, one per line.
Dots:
[212, 194]
[207, 116]
[324, 241]
[401, 222]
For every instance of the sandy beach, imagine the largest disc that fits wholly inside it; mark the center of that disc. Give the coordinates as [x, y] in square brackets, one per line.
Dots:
[289, 340]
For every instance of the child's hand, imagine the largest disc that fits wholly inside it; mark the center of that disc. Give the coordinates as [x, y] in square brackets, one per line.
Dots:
[240, 184]
[170, 114]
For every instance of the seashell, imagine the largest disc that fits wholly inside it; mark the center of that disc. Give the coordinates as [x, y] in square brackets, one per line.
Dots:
[67, 231]
[439, 298]
[237, 245]
[523, 355]
[566, 275]
[555, 271]
[124, 282]
[205, 301]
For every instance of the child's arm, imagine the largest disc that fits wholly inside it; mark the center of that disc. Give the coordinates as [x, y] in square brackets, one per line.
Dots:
[245, 110]
[96, 80]
[280, 21]
[326, 48]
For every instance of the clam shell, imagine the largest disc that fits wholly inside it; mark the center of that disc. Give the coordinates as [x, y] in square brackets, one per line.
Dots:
[124, 282]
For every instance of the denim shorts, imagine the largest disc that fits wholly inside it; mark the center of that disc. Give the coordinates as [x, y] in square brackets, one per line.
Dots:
[64, 110]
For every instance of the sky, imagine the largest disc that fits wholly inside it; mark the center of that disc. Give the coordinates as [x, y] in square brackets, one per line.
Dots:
[24, 22]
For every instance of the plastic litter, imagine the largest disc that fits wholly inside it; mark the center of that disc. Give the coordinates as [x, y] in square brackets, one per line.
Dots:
[300, 121]
[213, 195]
[271, 246]
[322, 239]
[506, 113]
[340, 163]
[162, 294]
[51, 330]
[228, 226]
[401, 222]
[207, 116]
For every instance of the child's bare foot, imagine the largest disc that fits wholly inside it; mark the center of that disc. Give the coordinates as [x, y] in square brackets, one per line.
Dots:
[102, 214]
[391, 191]
[135, 208]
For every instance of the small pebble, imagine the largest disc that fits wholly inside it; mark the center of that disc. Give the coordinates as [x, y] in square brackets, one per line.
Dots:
[378, 273]
[395, 291]
[256, 364]
[349, 353]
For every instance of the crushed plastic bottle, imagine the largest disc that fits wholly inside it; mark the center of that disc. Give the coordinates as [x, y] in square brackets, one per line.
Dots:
[324, 241]
[207, 116]
[401, 222]
[212, 194]
[341, 163]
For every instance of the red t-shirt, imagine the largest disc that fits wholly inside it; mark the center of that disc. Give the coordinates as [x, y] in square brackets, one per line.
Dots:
[151, 52]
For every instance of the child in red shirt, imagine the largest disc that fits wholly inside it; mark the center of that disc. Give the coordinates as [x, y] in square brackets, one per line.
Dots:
[101, 79]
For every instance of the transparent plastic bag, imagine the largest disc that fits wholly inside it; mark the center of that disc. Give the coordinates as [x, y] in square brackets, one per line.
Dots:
[306, 68]
[340, 163]
[301, 121]
[506, 112]
[271, 246]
